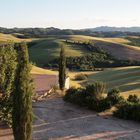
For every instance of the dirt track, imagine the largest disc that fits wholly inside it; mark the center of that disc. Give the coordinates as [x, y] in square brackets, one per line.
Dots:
[57, 120]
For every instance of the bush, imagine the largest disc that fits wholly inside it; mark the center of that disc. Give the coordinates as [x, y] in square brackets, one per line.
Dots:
[128, 110]
[96, 90]
[76, 96]
[114, 97]
[69, 93]
[98, 105]
[133, 99]
[80, 77]
[90, 97]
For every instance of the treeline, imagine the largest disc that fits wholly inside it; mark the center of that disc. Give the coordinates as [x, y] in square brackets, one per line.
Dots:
[98, 58]
[44, 32]
[92, 61]
[133, 41]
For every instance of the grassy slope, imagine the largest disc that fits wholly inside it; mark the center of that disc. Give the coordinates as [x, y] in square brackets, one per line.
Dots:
[37, 70]
[119, 41]
[9, 37]
[133, 40]
[48, 49]
[127, 79]
[118, 47]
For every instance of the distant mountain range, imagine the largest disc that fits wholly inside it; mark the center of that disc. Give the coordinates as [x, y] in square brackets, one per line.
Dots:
[114, 29]
[103, 31]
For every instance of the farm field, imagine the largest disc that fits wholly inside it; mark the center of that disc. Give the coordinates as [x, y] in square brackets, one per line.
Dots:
[38, 70]
[47, 49]
[9, 37]
[127, 79]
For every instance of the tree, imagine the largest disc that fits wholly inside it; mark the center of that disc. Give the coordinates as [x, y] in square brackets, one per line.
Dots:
[22, 97]
[8, 63]
[62, 68]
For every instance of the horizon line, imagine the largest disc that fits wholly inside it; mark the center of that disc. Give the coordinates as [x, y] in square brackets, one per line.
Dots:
[86, 28]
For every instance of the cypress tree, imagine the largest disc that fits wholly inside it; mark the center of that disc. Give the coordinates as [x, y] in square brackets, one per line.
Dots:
[22, 97]
[8, 63]
[62, 68]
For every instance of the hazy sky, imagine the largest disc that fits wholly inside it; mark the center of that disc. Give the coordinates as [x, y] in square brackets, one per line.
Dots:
[69, 13]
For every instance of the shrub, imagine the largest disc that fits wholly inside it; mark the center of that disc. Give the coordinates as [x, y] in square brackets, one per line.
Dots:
[114, 97]
[92, 97]
[96, 90]
[80, 77]
[128, 110]
[69, 93]
[76, 96]
[98, 105]
[133, 99]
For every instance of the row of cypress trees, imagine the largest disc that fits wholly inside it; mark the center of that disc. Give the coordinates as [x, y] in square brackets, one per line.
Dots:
[16, 90]
[16, 87]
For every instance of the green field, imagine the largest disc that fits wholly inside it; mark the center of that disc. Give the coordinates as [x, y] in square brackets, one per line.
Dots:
[133, 40]
[127, 79]
[43, 50]
[46, 50]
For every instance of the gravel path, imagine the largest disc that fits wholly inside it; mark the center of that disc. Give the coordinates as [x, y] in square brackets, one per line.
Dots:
[57, 120]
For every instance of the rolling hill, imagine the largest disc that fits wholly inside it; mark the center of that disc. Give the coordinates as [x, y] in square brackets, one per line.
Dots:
[48, 49]
[45, 50]
[9, 37]
[38, 70]
[115, 29]
[127, 79]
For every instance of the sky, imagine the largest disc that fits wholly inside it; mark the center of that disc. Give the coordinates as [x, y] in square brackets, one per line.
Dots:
[72, 14]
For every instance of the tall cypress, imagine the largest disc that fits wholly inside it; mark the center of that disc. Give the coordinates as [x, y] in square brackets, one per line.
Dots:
[8, 63]
[22, 97]
[62, 68]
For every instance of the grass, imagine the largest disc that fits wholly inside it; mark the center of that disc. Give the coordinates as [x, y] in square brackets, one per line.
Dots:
[10, 37]
[135, 41]
[127, 79]
[37, 70]
[47, 49]
[90, 38]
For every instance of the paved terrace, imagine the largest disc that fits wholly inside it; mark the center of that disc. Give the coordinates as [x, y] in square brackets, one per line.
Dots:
[58, 120]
